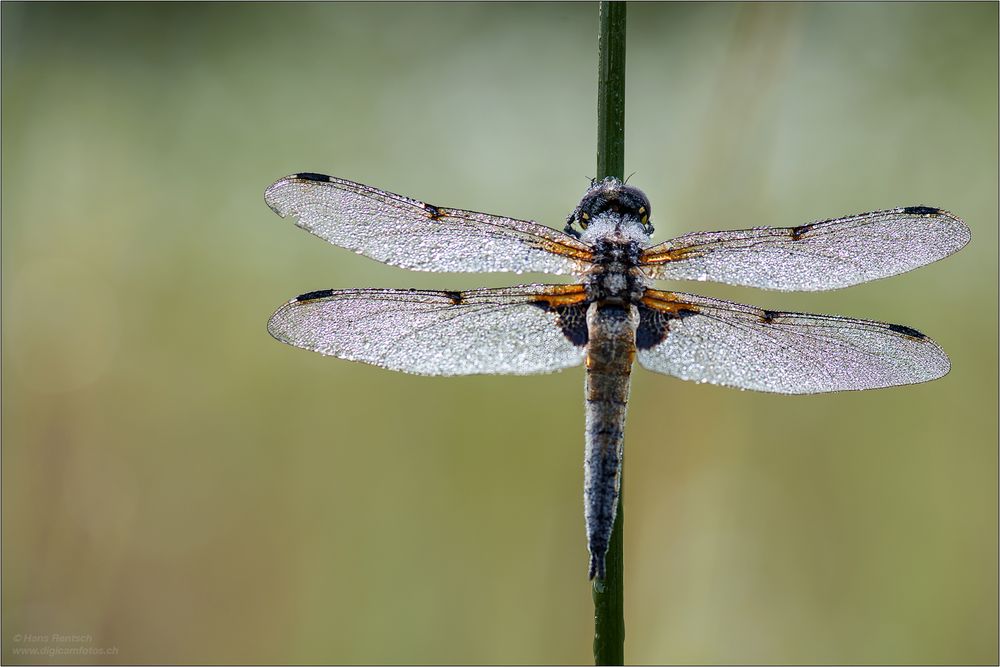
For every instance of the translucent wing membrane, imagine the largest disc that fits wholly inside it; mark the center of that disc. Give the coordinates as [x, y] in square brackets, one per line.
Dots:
[517, 330]
[819, 256]
[408, 233]
[710, 340]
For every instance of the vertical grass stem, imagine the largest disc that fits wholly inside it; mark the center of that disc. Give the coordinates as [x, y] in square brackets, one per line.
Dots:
[609, 612]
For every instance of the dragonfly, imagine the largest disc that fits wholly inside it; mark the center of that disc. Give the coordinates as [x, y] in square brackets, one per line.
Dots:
[613, 315]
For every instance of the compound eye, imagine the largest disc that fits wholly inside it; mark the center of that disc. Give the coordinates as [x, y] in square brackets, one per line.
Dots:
[644, 215]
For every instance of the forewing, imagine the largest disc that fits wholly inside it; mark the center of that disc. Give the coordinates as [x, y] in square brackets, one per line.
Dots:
[515, 330]
[408, 233]
[710, 340]
[823, 255]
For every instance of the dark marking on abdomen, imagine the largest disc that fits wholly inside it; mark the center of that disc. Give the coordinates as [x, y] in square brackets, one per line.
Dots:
[922, 210]
[611, 433]
[906, 331]
[433, 211]
[311, 296]
[613, 311]
[609, 401]
[310, 176]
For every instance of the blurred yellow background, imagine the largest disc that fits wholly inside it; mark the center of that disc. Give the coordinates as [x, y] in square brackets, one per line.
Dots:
[182, 488]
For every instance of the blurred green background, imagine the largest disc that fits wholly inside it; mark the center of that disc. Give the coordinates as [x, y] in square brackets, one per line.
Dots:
[182, 488]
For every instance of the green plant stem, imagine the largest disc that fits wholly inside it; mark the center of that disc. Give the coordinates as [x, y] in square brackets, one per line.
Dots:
[611, 91]
[609, 611]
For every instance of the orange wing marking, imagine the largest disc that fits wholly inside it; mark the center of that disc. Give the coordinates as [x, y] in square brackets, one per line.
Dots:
[557, 248]
[668, 255]
[668, 302]
[558, 296]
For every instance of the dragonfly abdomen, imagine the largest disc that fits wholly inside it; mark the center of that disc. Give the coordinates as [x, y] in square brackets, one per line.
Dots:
[610, 352]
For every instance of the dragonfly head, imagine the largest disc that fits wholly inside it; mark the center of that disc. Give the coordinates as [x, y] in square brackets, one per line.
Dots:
[615, 206]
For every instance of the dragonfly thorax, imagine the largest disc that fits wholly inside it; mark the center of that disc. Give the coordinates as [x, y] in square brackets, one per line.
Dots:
[615, 276]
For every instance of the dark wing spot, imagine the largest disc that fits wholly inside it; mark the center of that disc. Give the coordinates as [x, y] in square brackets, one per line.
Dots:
[318, 294]
[798, 232]
[906, 331]
[434, 211]
[572, 320]
[652, 328]
[455, 297]
[922, 210]
[768, 316]
[310, 176]
[654, 325]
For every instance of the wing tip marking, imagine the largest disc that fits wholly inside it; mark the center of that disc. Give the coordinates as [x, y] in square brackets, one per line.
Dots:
[271, 193]
[311, 176]
[909, 332]
[960, 230]
[312, 296]
[923, 210]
